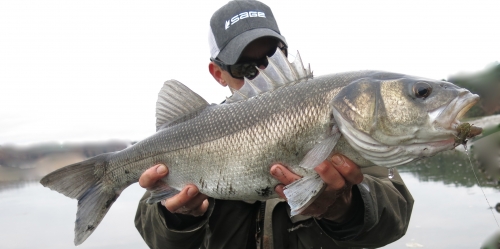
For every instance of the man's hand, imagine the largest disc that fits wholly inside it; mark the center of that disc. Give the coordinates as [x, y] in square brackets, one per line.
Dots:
[189, 201]
[340, 174]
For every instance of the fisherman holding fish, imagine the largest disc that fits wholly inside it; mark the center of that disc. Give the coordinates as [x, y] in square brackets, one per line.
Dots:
[357, 208]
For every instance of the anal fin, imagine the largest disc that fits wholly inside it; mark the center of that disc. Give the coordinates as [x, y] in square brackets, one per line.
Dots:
[161, 192]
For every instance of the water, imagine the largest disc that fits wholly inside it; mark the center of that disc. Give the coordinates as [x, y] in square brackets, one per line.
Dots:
[36, 217]
[450, 211]
[447, 216]
[479, 184]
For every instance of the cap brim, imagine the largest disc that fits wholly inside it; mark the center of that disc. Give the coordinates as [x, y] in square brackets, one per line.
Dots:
[233, 49]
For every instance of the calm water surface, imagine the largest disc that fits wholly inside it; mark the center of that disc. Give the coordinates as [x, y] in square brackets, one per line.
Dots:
[450, 212]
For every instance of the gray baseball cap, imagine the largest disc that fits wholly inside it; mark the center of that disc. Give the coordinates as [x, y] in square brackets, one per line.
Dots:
[238, 23]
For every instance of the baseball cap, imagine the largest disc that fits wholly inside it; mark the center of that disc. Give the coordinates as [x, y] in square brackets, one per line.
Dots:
[238, 23]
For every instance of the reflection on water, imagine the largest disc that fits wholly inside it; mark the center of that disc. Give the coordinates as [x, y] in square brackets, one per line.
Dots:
[450, 168]
[15, 177]
[22, 165]
[450, 210]
[448, 215]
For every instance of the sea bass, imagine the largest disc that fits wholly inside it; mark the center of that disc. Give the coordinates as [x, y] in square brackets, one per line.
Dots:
[283, 116]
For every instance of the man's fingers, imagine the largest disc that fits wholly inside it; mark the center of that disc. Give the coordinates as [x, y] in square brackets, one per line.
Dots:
[285, 176]
[195, 202]
[282, 174]
[348, 169]
[188, 198]
[279, 190]
[152, 175]
[201, 209]
[188, 201]
[339, 171]
[330, 176]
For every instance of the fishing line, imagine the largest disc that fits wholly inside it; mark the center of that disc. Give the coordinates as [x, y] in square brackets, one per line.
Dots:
[479, 185]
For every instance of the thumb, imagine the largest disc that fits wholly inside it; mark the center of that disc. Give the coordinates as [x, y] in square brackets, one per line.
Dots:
[152, 175]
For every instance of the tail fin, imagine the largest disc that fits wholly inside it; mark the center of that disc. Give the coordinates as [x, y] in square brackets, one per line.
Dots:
[83, 181]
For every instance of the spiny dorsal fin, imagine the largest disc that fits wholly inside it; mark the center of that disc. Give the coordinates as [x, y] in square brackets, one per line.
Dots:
[278, 73]
[299, 66]
[237, 95]
[255, 88]
[175, 100]
[246, 90]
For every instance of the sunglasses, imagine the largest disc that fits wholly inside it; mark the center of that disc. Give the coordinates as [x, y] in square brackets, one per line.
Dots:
[248, 69]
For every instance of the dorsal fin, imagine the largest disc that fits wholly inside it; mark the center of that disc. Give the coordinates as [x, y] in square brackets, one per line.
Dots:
[175, 100]
[299, 66]
[279, 72]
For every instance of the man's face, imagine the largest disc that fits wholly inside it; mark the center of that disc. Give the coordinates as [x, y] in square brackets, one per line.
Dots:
[254, 51]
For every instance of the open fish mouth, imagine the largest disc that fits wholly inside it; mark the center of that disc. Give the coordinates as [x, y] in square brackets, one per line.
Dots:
[447, 117]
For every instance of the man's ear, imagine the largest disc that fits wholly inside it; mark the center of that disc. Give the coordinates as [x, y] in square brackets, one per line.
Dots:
[216, 72]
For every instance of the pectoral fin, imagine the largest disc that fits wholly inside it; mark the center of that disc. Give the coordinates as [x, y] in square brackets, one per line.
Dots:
[321, 151]
[301, 193]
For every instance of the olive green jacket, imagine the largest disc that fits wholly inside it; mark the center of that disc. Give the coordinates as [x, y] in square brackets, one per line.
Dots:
[383, 209]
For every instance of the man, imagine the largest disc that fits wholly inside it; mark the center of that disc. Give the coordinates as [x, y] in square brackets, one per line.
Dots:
[354, 210]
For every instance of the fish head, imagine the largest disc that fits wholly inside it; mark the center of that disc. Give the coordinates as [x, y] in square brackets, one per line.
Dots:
[392, 119]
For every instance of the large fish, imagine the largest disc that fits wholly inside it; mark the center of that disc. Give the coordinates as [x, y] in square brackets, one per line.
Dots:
[284, 116]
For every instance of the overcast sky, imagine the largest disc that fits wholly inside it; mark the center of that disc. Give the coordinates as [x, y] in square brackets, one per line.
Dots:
[91, 70]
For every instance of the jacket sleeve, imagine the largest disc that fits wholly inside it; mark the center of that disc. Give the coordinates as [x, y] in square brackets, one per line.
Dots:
[161, 229]
[386, 205]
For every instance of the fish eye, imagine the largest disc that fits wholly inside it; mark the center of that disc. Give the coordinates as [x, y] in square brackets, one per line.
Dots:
[422, 90]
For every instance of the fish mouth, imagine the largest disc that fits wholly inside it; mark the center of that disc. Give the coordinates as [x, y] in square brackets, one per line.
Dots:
[446, 119]
[448, 116]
